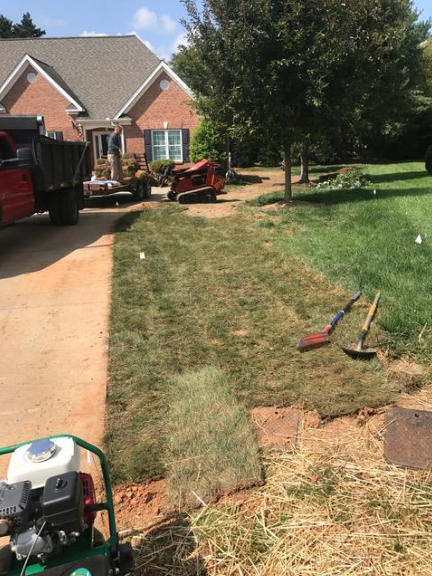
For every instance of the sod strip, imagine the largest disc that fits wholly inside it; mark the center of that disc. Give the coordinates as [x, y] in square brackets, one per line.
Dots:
[212, 448]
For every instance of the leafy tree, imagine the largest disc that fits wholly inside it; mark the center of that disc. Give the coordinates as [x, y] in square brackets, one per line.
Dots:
[182, 62]
[293, 71]
[6, 27]
[23, 29]
[26, 28]
[207, 143]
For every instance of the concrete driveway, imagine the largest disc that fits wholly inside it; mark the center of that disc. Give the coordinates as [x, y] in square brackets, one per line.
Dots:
[55, 287]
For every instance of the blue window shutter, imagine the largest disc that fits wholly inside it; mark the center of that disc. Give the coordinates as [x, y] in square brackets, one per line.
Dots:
[185, 143]
[148, 145]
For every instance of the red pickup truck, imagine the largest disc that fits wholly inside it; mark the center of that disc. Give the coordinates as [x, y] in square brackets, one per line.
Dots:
[39, 174]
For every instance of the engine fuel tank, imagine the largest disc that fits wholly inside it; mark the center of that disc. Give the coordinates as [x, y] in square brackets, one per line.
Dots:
[43, 459]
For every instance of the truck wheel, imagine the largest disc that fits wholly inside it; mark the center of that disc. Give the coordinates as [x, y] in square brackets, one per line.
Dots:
[54, 209]
[148, 190]
[69, 211]
[140, 191]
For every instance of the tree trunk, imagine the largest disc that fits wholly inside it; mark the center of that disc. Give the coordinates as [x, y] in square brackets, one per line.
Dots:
[304, 158]
[288, 172]
[227, 151]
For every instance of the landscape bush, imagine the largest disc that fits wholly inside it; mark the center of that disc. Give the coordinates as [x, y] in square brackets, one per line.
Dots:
[207, 143]
[350, 179]
[159, 166]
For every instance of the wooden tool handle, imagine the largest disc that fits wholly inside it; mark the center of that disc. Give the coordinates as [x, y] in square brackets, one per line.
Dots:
[371, 314]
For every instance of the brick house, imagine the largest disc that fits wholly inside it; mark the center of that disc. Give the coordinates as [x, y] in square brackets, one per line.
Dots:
[82, 86]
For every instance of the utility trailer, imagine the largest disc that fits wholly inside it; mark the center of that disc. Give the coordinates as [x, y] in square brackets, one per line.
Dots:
[39, 174]
[139, 188]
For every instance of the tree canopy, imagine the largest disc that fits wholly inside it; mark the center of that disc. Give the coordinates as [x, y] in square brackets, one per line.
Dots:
[292, 71]
[23, 29]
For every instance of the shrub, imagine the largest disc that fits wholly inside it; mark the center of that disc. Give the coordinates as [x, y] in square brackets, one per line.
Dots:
[207, 143]
[159, 166]
[349, 180]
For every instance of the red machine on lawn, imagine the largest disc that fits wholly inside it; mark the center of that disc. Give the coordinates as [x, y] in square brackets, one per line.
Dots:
[199, 183]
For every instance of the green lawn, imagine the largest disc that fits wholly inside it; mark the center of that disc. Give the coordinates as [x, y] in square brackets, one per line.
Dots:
[367, 241]
[229, 293]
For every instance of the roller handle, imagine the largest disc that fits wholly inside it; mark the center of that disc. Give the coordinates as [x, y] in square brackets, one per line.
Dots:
[341, 313]
[371, 315]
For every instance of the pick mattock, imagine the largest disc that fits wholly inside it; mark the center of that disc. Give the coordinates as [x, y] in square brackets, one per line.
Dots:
[318, 339]
[358, 351]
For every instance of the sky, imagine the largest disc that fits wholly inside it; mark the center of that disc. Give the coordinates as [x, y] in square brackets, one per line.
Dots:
[157, 22]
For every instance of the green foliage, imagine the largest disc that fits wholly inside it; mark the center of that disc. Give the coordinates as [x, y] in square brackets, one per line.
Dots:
[286, 70]
[158, 166]
[23, 29]
[6, 27]
[26, 28]
[350, 179]
[208, 142]
[129, 156]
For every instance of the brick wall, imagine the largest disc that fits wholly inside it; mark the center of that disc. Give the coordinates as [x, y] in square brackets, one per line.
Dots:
[41, 99]
[156, 107]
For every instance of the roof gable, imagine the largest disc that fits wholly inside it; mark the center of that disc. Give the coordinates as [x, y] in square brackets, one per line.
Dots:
[142, 89]
[47, 72]
[99, 73]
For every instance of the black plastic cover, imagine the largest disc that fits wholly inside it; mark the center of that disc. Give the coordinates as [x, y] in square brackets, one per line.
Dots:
[14, 500]
[63, 502]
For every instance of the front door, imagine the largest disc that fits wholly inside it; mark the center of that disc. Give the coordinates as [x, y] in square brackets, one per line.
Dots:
[100, 144]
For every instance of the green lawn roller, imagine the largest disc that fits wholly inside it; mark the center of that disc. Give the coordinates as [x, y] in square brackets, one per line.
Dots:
[48, 511]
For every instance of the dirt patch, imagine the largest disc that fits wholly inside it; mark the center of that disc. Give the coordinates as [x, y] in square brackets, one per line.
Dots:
[139, 505]
[227, 203]
[407, 374]
[276, 427]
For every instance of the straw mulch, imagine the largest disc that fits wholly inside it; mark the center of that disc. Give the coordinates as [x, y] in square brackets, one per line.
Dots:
[334, 507]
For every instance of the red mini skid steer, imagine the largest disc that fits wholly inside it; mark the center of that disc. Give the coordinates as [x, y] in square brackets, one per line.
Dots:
[199, 183]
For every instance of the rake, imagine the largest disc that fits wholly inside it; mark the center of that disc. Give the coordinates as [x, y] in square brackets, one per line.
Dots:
[319, 339]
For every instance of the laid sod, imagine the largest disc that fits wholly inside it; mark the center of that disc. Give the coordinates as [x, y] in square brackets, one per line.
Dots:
[211, 445]
[366, 240]
[220, 293]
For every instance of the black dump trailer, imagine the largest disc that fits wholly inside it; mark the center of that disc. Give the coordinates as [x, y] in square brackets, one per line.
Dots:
[58, 168]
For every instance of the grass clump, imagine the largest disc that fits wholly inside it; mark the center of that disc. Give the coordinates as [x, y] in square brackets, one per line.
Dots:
[212, 448]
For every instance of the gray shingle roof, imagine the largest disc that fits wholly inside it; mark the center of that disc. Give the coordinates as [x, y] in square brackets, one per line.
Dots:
[101, 73]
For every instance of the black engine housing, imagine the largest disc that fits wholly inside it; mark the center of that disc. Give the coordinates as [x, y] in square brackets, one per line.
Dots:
[15, 501]
[62, 502]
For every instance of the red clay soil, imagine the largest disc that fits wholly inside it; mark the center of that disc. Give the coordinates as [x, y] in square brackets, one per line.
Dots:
[139, 505]
[226, 205]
